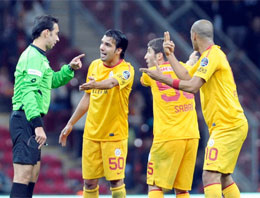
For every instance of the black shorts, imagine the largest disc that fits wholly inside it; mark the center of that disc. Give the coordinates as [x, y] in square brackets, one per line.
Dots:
[25, 147]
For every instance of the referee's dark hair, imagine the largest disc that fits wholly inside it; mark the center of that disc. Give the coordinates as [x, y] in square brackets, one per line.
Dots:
[120, 38]
[42, 23]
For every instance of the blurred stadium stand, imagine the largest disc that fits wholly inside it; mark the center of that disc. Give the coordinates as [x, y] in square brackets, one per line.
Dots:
[82, 24]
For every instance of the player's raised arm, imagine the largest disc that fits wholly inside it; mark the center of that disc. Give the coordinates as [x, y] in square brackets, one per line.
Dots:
[179, 70]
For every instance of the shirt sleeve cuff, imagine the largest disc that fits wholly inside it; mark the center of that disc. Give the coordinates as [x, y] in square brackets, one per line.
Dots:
[37, 122]
[70, 68]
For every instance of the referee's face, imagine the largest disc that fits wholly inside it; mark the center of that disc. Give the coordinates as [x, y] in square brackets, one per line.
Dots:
[52, 37]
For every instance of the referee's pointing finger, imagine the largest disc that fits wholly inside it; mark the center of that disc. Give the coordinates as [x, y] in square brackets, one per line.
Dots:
[80, 56]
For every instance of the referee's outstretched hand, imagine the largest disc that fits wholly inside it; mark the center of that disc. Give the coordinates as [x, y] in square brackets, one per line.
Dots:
[64, 134]
[76, 63]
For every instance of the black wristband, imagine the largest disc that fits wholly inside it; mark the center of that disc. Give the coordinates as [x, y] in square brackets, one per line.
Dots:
[37, 122]
[70, 68]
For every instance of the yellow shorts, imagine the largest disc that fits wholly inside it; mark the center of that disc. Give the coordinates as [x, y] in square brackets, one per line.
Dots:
[171, 164]
[104, 159]
[223, 149]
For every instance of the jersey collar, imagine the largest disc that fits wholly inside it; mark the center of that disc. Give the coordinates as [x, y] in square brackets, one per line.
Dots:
[209, 47]
[120, 61]
[39, 49]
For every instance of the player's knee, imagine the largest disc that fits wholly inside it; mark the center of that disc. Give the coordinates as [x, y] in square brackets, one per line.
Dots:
[209, 177]
[116, 183]
[226, 180]
[35, 176]
[90, 183]
[35, 173]
[151, 188]
[178, 191]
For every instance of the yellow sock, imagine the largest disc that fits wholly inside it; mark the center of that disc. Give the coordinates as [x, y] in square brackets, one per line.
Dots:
[231, 191]
[213, 191]
[118, 192]
[156, 193]
[93, 193]
[183, 195]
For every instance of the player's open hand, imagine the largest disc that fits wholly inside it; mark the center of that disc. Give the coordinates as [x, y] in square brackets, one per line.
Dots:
[91, 84]
[154, 74]
[64, 134]
[76, 62]
[168, 45]
[194, 57]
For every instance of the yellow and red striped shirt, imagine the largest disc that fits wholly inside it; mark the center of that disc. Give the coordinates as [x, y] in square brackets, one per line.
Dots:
[174, 110]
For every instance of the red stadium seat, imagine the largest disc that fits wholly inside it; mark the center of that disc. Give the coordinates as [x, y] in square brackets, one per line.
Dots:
[4, 132]
[75, 173]
[6, 158]
[51, 161]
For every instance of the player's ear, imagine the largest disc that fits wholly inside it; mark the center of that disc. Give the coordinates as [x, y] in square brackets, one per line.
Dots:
[118, 51]
[195, 36]
[159, 56]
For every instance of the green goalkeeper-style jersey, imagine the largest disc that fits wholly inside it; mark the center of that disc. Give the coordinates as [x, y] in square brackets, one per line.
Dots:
[34, 80]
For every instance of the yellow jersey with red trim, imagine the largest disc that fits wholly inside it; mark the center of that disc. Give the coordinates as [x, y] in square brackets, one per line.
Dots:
[107, 118]
[219, 100]
[174, 110]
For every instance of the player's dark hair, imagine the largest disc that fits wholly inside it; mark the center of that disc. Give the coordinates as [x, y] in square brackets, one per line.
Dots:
[120, 38]
[42, 23]
[157, 45]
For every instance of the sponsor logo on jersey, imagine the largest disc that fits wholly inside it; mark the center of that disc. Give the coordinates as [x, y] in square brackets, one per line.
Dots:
[126, 74]
[204, 62]
[34, 72]
[202, 70]
[209, 163]
[166, 69]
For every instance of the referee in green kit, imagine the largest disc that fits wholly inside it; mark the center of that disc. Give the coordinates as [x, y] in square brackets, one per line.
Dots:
[34, 80]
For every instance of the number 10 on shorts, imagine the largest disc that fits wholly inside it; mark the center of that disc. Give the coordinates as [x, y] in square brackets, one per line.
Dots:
[211, 153]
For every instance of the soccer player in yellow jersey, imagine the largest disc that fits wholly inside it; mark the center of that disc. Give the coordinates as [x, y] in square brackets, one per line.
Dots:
[176, 135]
[109, 83]
[222, 111]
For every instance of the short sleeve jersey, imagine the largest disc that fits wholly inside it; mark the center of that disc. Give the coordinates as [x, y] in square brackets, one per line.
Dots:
[219, 100]
[174, 110]
[107, 118]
